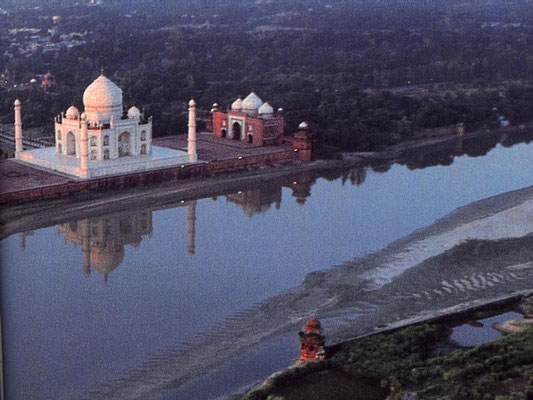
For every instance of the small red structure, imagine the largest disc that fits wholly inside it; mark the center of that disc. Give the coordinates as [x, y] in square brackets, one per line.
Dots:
[302, 142]
[312, 341]
[48, 81]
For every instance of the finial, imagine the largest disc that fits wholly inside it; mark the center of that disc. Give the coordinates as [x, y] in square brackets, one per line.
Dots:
[102, 71]
[17, 102]
[192, 103]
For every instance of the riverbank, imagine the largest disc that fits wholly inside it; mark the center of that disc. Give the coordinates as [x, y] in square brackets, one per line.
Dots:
[417, 361]
[19, 185]
[18, 217]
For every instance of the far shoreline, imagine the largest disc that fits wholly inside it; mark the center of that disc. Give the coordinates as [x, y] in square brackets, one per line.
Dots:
[18, 217]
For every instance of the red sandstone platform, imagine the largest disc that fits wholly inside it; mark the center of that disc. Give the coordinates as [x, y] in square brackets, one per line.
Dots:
[15, 177]
[211, 148]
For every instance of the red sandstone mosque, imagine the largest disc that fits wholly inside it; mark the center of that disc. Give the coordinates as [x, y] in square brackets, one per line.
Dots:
[312, 341]
[253, 121]
[249, 120]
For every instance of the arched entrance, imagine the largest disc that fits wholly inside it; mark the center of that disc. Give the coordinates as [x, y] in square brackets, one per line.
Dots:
[71, 144]
[124, 144]
[250, 138]
[236, 131]
[224, 133]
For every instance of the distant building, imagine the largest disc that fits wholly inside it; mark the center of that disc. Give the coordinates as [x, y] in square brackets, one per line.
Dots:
[48, 81]
[249, 120]
[7, 79]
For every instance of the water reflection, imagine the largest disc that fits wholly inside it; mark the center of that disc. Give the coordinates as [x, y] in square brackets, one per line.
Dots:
[102, 239]
[233, 296]
[444, 154]
[347, 301]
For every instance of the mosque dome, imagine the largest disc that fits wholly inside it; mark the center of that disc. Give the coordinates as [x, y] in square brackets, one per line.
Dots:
[266, 109]
[252, 103]
[103, 96]
[303, 125]
[72, 113]
[237, 105]
[134, 113]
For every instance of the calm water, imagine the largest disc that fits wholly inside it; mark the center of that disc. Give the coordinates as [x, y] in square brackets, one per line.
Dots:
[84, 301]
[481, 331]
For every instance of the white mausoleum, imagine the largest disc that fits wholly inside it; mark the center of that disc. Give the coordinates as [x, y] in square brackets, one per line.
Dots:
[104, 139]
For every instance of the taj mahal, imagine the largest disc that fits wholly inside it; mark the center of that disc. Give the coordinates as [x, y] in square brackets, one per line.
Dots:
[106, 145]
[104, 140]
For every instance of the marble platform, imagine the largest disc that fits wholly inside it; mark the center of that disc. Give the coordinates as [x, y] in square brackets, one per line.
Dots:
[161, 157]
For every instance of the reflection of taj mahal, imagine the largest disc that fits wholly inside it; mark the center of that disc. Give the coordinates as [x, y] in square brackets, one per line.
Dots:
[103, 239]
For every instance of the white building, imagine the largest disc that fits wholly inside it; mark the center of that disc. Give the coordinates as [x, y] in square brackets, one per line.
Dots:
[104, 140]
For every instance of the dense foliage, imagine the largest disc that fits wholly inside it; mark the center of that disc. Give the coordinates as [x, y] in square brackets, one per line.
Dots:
[405, 361]
[355, 70]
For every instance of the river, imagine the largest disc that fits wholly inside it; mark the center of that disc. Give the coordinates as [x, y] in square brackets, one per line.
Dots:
[162, 295]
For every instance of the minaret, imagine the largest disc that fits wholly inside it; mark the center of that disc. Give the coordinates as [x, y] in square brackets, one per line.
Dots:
[22, 241]
[84, 156]
[192, 132]
[86, 246]
[191, 225]
[18, 130]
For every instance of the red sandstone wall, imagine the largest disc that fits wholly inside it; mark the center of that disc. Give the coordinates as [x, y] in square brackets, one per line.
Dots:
[148, 177]
[218, 117]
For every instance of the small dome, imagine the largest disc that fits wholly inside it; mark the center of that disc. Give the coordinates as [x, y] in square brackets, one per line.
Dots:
[252, 102]
[192, 103]
[33, 80]
[17, 103]
[303, 125]
[237, 105]
[72, 113]
[134, 113]
[280, 109]
[215, 105]
[266, 109]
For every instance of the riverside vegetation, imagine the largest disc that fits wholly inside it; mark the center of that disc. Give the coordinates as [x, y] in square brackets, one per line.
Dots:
[417, 361]
[364, 74]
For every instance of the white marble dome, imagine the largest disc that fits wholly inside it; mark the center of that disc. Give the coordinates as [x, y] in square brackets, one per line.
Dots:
[72, 113]
[266, 109]
[237, 105]
[252, 102]
[303, 125]
[103, 97]
[134, 113]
